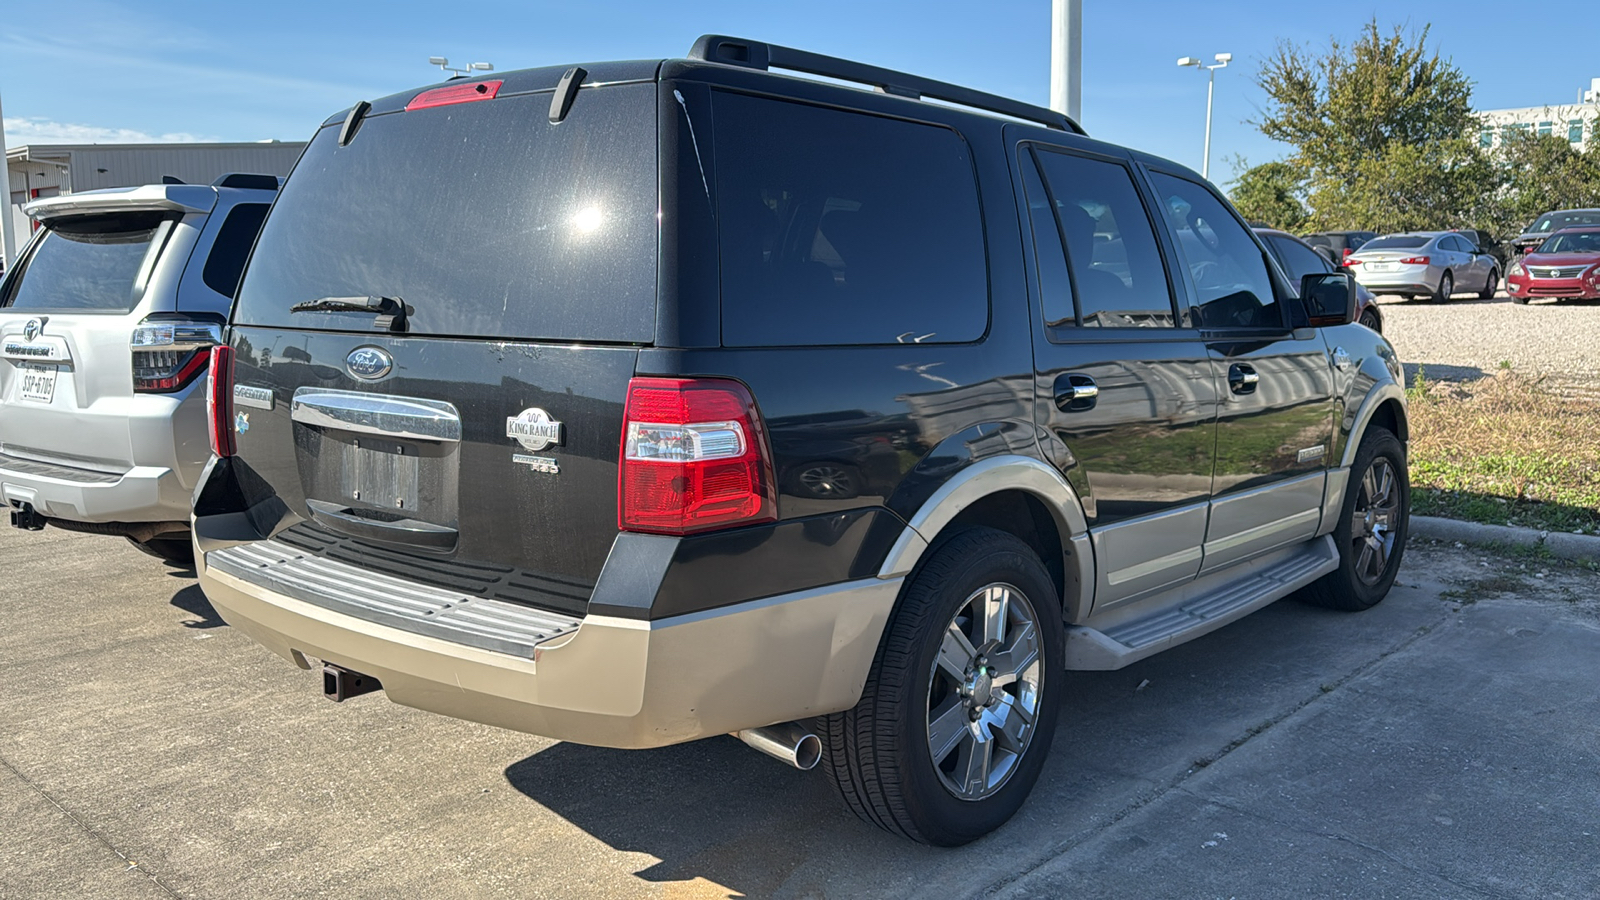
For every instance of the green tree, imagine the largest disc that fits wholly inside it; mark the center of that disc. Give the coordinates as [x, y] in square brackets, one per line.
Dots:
[1539, 173]
[1270, 193]
[1378, 129]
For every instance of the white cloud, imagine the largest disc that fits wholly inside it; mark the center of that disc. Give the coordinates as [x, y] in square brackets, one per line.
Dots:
[33, 130]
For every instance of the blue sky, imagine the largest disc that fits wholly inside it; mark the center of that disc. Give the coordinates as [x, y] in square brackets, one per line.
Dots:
[109, 71]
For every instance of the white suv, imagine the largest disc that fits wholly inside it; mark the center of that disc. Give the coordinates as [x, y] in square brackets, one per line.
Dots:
[106, 322]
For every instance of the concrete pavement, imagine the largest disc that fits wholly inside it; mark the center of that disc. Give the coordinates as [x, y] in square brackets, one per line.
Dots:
[1443, 744]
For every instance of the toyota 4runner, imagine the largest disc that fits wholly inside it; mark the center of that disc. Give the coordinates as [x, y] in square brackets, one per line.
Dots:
[106, 325]
[639, 402]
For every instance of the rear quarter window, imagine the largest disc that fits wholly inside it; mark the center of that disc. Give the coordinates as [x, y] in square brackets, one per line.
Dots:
[225, 263]
[844, 228]
[89, 263]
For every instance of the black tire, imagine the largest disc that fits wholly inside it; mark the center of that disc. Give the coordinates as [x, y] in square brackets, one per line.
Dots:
[173, 551]
[1490, 286]
[1520, 301]
[1349, 587]
[1370, 319]
[877, 754]
[1447, 286]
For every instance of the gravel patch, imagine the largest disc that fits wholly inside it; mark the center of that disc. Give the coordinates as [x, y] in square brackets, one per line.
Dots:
[1471, 338]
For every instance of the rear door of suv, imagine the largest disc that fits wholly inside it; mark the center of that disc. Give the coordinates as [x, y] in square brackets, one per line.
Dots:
[436, 331]
[1124, 385]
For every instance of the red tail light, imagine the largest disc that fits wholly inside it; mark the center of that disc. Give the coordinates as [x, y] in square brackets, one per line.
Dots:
[455, 93]
[1414, 261]
[1351, 261]
[219, 401]
[170, 352]
[1348, 251]
[694, 457]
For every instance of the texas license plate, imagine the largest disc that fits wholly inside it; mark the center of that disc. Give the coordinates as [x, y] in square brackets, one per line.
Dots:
[1380, 267]
[38, 382]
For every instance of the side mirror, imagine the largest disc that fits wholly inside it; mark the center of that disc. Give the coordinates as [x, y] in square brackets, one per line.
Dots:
[1330, 298]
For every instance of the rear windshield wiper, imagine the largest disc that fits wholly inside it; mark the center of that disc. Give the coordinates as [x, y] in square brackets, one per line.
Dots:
[392, 311]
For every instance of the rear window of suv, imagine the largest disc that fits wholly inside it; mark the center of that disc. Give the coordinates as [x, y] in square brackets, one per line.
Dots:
[88, 263]
[844, 228]
[485, 218]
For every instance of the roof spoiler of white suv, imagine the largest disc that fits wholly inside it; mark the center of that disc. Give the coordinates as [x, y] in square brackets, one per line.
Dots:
[183, 198]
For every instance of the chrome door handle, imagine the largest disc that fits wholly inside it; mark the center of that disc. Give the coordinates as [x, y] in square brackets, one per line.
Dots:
[1242, 379]
[1076, 393]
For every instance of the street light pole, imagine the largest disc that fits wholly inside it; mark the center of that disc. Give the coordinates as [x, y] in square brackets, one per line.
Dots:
[1066, 57]
[1211, 87]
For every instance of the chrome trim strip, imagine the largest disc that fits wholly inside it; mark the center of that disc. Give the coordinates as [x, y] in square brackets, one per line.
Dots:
[1150, 567]
[1261, 531]
[381, 414]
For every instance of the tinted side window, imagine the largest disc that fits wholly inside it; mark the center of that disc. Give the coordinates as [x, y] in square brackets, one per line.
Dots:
[226, 262]
[844, 228]
[1117, 272]
[91, 262]
[1298, 259]
[1225, 263]
[1055, 285]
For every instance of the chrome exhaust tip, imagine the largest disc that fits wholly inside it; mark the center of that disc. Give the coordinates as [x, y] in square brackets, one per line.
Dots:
[789, 742]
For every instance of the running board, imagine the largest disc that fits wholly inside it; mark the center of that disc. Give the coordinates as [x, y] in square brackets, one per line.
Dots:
[1197, 608]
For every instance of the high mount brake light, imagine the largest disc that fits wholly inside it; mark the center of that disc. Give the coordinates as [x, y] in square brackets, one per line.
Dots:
[694, 457]
[455, 93]
[168, 354]
[219, 401]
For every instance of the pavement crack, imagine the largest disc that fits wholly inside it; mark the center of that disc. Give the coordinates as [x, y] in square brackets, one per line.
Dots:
[1177, 783]
[87, 828]
[1345, 839]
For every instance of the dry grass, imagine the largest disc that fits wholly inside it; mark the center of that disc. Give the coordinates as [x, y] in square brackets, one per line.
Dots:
[1506, 450]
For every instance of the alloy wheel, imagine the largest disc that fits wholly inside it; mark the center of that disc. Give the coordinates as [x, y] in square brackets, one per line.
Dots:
[984, 691]
[1376, 517]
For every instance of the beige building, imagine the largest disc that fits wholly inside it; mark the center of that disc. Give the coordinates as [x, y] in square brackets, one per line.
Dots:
[1574, 121]
[45, 170]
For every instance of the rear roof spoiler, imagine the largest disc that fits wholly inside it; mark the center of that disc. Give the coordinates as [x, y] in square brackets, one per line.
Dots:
[182, 198]
[750, 54]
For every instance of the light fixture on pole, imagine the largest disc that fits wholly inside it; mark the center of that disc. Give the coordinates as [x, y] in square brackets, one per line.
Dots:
[444, 64]
[1211, 85]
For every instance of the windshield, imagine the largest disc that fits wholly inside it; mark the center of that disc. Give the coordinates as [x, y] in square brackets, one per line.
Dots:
[1572, 242]
[89, 262]
[1396, 242]
[1557, 221]
[484, 218]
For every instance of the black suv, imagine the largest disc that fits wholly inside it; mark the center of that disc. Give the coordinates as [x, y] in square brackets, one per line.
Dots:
[530, 379]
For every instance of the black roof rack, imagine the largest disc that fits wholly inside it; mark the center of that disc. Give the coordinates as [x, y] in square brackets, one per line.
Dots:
[757, 55]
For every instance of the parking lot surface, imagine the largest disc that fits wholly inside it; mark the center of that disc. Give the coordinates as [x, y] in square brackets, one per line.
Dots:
[1443, 744]
[1470, 338]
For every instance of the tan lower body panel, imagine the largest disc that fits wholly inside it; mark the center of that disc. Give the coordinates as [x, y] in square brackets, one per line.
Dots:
[614, 682]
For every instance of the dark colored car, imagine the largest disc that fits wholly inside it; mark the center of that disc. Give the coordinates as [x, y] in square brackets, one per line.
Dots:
[1551, 222]
[1484, 242]
[1339, 244]
[1299, 259]
[526, 375]
[1565, 267]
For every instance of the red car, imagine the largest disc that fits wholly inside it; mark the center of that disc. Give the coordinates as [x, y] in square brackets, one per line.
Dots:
[1566, 265]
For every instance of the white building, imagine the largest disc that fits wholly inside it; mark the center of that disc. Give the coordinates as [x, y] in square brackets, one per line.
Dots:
[1574, 121]
[45, 170]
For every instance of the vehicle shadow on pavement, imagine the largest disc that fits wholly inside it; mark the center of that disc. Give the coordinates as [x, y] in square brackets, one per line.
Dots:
[1436, 372]
[193, 601]
[719, 811]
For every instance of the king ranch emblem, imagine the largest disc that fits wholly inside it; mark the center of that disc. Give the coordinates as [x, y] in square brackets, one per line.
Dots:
[534, 429]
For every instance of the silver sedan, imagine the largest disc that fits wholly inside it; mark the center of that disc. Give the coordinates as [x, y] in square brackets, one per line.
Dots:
[1433, 264]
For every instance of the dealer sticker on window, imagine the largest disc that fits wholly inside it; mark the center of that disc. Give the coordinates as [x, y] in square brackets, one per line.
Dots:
[38, 382]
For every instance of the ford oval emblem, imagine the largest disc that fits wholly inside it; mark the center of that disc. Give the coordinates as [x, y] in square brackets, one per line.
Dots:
[369, 363]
